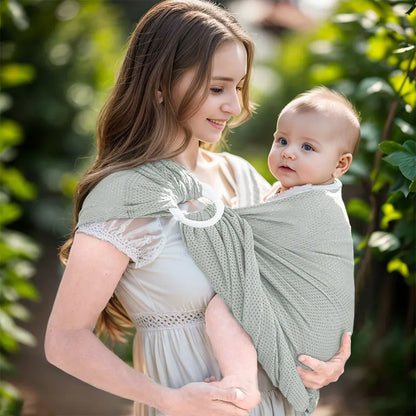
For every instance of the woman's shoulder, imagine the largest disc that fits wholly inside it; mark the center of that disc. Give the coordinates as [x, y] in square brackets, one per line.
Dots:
[109, 197]
[111, 186]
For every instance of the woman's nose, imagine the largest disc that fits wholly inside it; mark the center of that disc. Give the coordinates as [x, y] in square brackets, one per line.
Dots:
[233, 105]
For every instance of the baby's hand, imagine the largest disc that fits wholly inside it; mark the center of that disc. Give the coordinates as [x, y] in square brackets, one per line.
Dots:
[248, 394]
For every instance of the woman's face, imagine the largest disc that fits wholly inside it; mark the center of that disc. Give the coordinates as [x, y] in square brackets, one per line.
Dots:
[229, 67]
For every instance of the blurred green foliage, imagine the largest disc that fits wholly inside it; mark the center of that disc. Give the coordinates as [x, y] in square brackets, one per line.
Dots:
[71, 51]
[17, 251]
[57, 60]
[366, 50]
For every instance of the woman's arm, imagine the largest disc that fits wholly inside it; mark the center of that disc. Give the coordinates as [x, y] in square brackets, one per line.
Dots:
[323, 373]
[234, 351]
[92, 273]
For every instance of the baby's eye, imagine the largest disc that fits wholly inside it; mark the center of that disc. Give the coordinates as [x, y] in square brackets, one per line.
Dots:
[216, 90]
[308, 147]
[282, 141]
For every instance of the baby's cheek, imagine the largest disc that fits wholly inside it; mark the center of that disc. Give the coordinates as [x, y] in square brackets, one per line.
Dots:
[273, 162]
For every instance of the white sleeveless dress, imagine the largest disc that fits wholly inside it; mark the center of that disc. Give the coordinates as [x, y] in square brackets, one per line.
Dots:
[165, 295]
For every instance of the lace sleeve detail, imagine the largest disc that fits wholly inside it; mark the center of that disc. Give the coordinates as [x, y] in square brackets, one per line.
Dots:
[141, 239]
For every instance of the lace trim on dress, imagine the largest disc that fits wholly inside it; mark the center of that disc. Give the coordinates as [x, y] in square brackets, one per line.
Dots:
[168, 320]
[140, 246]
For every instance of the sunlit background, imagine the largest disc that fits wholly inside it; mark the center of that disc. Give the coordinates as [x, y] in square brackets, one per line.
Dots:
[58, 63]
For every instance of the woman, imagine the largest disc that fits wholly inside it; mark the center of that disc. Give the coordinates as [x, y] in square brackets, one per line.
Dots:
[183, 81]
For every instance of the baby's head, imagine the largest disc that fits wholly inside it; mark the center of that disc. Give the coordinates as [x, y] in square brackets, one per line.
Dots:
[316, 137]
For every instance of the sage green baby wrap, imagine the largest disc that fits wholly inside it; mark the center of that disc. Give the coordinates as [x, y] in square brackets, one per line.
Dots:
[284, 267]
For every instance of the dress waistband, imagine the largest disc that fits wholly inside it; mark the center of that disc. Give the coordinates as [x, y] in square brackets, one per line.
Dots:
[168, 320]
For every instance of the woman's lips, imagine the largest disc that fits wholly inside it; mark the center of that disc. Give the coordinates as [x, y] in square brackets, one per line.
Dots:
[218, 124]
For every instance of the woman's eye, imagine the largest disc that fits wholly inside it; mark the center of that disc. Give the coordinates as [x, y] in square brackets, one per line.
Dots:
[216, 90]
[239, 88]
[307, 147]
[282, 141]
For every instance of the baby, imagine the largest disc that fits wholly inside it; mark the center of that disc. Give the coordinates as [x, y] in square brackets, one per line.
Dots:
[310, 288]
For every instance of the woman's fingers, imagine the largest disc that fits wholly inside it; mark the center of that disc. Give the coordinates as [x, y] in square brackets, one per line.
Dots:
[345, 350]
[322, 373]
[231, 394]
[205, 399]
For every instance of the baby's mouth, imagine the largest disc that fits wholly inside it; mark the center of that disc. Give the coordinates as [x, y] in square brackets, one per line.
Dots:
[286, 168]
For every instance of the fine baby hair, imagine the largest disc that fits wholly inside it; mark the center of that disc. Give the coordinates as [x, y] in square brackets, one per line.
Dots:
[330, 103]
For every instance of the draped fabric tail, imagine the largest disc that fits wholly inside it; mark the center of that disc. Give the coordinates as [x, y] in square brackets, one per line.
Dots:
[225, 253]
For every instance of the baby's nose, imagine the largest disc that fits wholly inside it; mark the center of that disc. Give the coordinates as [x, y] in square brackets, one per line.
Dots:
[288, 154]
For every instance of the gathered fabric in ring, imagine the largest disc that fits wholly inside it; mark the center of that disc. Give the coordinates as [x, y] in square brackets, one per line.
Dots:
[208, 192]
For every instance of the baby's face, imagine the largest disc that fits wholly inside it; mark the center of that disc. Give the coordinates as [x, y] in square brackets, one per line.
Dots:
[306, 150]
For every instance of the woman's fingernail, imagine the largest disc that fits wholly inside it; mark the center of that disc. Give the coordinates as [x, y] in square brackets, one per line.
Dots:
[239, 393]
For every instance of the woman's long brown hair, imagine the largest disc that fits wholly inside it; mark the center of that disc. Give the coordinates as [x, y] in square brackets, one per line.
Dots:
[133, 126]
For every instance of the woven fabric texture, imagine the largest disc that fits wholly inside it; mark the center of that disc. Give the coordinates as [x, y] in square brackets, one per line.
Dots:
[284, 267]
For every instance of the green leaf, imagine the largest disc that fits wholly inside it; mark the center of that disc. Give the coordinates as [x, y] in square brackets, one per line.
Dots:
[26, 290]
[403, 85]
[404, 126]
[390, 214]
[347, 17]
[11, 134]
[6, 102]
[18, 311]
[11, 403]
[359, 209]
[9, 327]
[389, 146]
[405, 49]
[401, 185]
[17, 184]
[21, 244]
[9, 213]
[396, 265]
[5, 367]
[374, 85]
[405, 160]
[379, 46]
[14, 74]
[325, 73]
[410, 146]
[383, 241]
[18, 14]
[7, 342]
[412, 186]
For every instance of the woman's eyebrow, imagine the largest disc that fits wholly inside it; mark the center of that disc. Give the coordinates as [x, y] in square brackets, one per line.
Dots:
[223, 78]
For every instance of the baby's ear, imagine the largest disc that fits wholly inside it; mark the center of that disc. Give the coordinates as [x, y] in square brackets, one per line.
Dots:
[344, 163]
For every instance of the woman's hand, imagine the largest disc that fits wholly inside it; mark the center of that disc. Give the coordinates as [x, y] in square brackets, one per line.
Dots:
[202, 399]
[325, 372]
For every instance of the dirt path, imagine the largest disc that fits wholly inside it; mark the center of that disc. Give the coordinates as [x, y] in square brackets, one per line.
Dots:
[48, 391]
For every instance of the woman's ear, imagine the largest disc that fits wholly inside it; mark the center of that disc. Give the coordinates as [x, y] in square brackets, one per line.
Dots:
[159, 96]
[344, 163]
